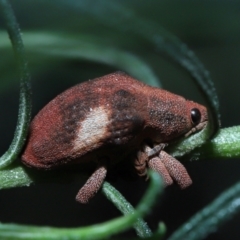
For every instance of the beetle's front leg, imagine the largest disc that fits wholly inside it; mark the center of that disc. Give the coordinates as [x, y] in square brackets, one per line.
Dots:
[157, 165]
[144, 155]
[172, 168]
[176, 170]
[167, 166]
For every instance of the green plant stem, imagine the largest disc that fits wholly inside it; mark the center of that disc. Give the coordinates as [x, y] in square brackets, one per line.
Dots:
[157, 235]
[186, 145]
[126, 208]
[98, 231]
[24, 113]
[211, 217]
[14, 175]
[225, 144]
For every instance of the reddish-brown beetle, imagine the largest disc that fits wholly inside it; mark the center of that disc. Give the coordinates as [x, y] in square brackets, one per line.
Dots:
[109, 119]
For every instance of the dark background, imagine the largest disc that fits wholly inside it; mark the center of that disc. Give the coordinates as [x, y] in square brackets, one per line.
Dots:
[210, 28]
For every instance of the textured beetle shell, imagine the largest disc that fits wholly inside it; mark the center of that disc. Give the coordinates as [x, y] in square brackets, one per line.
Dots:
[105, 117]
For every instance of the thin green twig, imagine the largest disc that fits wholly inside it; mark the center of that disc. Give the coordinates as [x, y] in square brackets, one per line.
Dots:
[126, 208]
[24, 113]
[226, 144]
[211, 217]
[98, 231]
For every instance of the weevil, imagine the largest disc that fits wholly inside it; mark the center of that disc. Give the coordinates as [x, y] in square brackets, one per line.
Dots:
[108, 119]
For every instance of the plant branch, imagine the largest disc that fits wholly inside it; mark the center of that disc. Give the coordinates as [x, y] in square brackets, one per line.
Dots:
[24, 113]
[225, 144]
[126, 208]
[208, 220]
[98, 231]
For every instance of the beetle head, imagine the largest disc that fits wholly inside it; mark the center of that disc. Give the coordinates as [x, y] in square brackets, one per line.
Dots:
[198, 116]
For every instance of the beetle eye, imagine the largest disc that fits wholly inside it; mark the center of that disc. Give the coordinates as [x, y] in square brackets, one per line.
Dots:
[195, 115]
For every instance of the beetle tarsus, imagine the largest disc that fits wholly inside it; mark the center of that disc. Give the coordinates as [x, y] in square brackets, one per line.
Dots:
[176, 170]
[157, 165]
[167, 166]
[92, 185]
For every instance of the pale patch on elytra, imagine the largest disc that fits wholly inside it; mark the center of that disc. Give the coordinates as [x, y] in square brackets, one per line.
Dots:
[92, 130]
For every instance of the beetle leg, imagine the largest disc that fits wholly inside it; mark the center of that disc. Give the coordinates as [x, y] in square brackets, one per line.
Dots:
[140, 163]
[157, 165]
[92, 185]
[176, 170]
[155, 150]
[144, 156]
[167, 166]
